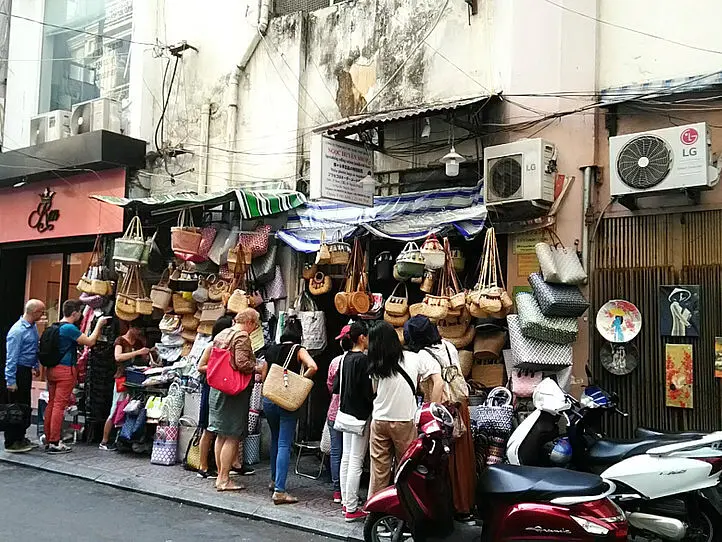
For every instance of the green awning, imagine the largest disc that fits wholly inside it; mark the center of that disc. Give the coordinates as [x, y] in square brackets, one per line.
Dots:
[253, 203]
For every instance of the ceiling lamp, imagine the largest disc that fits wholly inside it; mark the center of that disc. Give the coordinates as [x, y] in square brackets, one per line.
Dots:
[451, 160]
[369, 184]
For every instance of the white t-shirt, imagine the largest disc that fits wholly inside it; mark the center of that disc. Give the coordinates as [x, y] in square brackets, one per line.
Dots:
[394, 400]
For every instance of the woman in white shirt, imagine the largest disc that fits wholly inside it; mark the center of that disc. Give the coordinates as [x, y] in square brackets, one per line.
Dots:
[395, 376]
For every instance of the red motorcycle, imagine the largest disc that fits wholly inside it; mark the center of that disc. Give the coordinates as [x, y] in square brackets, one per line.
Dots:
[516, 503]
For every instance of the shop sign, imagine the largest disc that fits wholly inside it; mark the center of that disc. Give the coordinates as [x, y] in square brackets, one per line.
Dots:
[44, 215]
[526, 264]
[526, 243]
[337, 168]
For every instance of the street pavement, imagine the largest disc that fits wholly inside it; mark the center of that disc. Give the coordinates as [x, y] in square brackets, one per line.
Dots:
[39, 506]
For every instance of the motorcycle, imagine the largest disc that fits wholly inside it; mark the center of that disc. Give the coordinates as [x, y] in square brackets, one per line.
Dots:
[518, 503]
[668, 487]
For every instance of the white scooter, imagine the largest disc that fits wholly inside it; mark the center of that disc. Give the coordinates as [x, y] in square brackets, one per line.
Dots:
[669, 489]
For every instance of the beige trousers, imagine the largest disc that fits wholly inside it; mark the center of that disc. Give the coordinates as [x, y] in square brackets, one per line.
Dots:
[388, 440]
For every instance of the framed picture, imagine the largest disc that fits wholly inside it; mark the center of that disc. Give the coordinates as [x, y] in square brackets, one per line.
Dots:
[718, 357]
[679, 375]
[679, 311]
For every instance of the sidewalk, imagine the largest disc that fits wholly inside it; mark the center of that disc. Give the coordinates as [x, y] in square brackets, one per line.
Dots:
[315, 513]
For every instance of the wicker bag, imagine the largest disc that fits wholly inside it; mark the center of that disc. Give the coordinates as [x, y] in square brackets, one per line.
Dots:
[559, 264]
[285, 388]
[465, 340]
[129, 248]
[125, 301]
[396, 321]
[360, 300]
[489, 345]
[212, 311]
[183, 304]
[536, 354]
[396, 305]
[558, 299]
[488, 375]
[453, 328]
[143, 303]
[339, 250]
[320, 284]
[255, 242]
[238, 301]
[190, 322]
[185, 238]
[544, 328]
[466, 362]
[410, 262]
[323, 257]
[161, 294]
[239, 258]
[434, 307]
[494, 418]
[309, 270]
[433, 253]
[218, 288]
[488, 298]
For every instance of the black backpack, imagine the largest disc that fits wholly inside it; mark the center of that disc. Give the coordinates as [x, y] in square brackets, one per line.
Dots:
[49, 351]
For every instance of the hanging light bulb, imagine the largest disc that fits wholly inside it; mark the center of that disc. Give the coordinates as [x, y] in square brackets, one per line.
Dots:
[369, 184]
[426, 130]
[451, 160]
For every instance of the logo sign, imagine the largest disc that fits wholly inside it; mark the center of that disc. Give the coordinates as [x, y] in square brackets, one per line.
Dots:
[689, 136]
[44, 215]
[337, 168]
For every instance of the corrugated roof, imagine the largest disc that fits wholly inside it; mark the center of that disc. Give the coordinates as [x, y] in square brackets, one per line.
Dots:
[357, 123]
[660, 88]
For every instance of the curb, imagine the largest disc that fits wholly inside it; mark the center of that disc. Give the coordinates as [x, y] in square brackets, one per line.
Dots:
[269, 513]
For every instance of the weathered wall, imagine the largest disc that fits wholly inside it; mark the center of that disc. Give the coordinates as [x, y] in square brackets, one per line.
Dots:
[627, 57]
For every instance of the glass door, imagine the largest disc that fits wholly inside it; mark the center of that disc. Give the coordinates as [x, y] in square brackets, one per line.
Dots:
[43, 281]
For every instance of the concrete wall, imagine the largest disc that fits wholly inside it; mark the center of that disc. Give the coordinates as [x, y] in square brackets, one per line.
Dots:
[627, 57]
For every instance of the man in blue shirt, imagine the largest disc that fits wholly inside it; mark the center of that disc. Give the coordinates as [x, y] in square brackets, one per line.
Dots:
[21, 364]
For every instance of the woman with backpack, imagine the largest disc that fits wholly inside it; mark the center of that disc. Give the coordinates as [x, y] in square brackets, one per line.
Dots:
[422, 336]
[353, 385]
[228, 408]
[395, 375]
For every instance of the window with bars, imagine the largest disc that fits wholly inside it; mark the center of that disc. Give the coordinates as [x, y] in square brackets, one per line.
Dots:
[285, 7]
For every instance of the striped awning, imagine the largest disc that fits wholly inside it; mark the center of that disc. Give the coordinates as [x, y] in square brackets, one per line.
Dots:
[404, 217]
[661, 87]
[253, 203]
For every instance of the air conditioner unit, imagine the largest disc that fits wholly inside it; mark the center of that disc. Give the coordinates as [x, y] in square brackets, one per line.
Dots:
[522, 171]
[101, 114]
[674, 158]
[49, 127]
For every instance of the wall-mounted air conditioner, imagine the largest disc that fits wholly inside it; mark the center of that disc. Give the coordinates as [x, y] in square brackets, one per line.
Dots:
[522, 171]
[676, 158]
[49, 126]
[100, 114]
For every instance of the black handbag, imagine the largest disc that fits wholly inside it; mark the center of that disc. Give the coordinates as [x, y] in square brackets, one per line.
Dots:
[14, 416]
[384, 264]
[264, 267]
[558, 299]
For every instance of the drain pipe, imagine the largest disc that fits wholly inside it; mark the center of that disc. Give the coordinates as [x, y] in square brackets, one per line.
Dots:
[586, 202]
[206, 147]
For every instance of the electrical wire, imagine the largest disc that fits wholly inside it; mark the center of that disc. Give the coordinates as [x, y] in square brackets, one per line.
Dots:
[161, 122]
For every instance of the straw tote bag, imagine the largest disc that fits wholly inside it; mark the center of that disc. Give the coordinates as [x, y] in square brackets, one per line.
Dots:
[285, 388]
[397, 305]
[559, 264]
[129, 248]
[185, 238]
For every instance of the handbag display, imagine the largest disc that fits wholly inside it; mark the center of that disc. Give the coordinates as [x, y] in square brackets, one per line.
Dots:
[345, 423]
[377, 306]
[410, 262]
[285, 388]
[160, 294]
[218, 288]
[148, 248]
[355, 297]
[397, 305]
[558, 299]
[524, 382]
[313, 323]
[264, 267]
[428, 281]
[185, 238]
[396, 321]
[93, 280]
[488, 298]
[339, 250]
[433, 253]
[129, 248]
[536, 354]
[384, 264]
[190, 322]
[458, 260]
[559, 264]
[320, 284]
[494, 418]
[535, 325]
[256, 241]
[125, 301]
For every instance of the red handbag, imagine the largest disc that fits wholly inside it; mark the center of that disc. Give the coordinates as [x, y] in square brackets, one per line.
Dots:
[256, 241]
[222, 376]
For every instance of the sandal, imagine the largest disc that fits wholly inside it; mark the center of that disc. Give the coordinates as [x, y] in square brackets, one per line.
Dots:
[283, 498]
[230, 487]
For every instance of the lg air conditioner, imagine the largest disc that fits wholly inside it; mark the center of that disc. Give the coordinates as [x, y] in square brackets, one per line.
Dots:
[676, 158]
[100, 114]
[49, 127]
[520, 172]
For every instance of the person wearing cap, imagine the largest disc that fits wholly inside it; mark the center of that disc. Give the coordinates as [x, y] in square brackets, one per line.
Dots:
[336, 436]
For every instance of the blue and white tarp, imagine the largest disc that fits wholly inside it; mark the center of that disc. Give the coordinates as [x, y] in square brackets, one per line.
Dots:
[404, 217]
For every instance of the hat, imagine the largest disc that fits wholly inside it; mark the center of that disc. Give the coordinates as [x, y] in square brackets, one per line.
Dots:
[419, 332]
[344, 331]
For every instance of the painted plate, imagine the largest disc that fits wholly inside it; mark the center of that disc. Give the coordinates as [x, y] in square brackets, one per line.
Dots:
[619, 321]
[619, 359]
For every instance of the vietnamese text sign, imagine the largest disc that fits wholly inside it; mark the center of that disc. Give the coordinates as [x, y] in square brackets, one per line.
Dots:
[336, 169]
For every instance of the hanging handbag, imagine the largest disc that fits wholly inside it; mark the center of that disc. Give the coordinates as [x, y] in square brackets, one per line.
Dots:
[410, 262]
[309, 270]
[221, 375]
[218, 288]
[558, 299]
[360, 300]
[143, 303]
[494, 418]
[256, 241]
[428, 281]
[238, 301]
[384, 264]
[217, 249]
[559, 264]
[200, 294]
[125, 305]
[161, 294]
[536, 354]
[535, 325]
[276, 288]
[339, 250]
[434, 307]
[320, 284]
[377, 305]
[433, 253]
[346, 423]
[148, 249]
[285, 388]
[208, 237]
[458, 260]
[396, 305]
[323, 257]
[524, 382]
[313, 323]
[239, 258]
[190, 322]
[185, 238]
[396, 321]
[264, 267]
[129, 248]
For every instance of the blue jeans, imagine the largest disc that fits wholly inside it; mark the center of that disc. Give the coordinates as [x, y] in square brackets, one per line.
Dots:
[336, 453]
[283, 429]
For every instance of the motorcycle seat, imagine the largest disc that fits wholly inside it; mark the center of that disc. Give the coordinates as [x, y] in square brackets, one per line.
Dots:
[609, 452]
[646, 433]
[512, 482]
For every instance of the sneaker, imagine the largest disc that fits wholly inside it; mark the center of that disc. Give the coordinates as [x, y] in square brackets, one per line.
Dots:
[337, 497]
[60, 448]
[18, 448]
[110, 447]
[208, 475]
[358, 515]
[33, 445]
[245, 470]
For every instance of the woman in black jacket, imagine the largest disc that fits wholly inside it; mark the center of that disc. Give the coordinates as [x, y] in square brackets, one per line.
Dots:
[354, 387]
